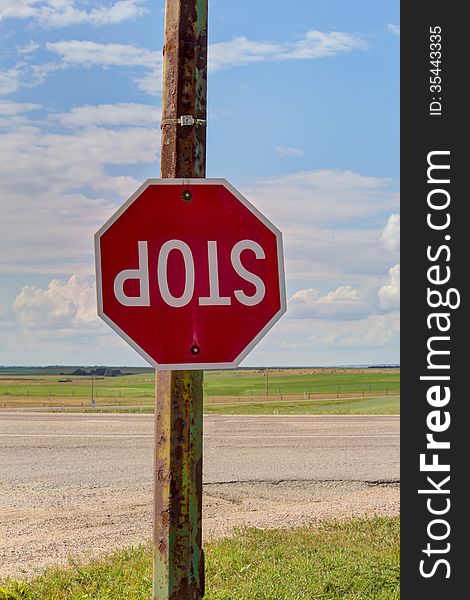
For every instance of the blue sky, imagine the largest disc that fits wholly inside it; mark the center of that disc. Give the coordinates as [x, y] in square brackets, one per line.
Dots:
[303, 118]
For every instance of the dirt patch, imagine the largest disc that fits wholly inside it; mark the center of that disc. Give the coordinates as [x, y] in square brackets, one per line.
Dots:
[42, 527]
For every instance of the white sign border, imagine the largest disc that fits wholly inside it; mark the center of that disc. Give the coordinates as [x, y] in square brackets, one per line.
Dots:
[252, 209]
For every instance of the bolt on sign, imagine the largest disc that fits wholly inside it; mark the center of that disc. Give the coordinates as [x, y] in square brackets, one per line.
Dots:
[190, 273]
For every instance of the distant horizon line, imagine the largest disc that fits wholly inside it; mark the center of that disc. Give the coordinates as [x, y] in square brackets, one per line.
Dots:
[332, 366]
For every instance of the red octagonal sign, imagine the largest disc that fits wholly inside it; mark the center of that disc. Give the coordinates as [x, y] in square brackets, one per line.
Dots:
[190, 273]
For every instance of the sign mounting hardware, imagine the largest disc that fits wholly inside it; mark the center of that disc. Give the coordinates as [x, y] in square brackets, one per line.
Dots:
[185, 120]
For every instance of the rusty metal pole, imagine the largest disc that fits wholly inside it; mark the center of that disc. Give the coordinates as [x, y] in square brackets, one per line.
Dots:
[178, 560]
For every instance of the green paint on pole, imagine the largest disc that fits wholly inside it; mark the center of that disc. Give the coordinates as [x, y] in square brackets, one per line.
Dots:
[178, 559]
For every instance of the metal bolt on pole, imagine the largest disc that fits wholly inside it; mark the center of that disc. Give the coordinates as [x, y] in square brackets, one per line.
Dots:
[178, 560]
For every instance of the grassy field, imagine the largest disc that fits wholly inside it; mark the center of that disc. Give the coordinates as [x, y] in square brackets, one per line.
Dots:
[250, 391]
[353, 560]
[279, 382]
[354, 406]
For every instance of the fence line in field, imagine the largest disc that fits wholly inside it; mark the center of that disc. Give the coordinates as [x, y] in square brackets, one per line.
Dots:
[52, 401]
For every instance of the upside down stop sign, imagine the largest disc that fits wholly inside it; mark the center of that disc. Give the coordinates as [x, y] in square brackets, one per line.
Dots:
[189, 273]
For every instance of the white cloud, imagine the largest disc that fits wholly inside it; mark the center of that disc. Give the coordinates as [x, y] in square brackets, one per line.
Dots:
[318, 44]
[395, 29]
[283, 151]
[3, 314]
[86, 53]
[314, 44]
[63, 305]
[323, 196]
[46, 157]
[59, 323]
[370, 340]
[390, 237]
[239, 51]
[389, 294]
[331, 222]
[63, 13]
[10, 109]
[343, 303]
[221, 55]
[7, 323]
[10, 80]
[109, 114]
[375, 331]
[57, 191]
[66, 310]
[28, 49]
[151, 83]
[322, 213]
[24, 75]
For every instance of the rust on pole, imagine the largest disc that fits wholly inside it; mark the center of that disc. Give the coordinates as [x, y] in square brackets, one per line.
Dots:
[183, 150]
[178, 560]
[178, 565]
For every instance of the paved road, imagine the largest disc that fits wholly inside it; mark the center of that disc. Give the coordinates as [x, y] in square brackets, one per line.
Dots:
[72, 448]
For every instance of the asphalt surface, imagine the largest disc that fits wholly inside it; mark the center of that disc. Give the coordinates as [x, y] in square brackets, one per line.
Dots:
[83, 448]
[80, 483]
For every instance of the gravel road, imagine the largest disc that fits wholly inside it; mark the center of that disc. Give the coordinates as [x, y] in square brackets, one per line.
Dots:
[79, 484]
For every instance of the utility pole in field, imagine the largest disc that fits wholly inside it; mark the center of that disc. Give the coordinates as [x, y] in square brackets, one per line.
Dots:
[178, 560]
[92, 393]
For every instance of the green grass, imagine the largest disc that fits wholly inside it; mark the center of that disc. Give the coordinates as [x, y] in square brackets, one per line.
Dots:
[329, 390]
[355, 406]
[354, 560]
[386, 405]
[245, 383]
[216, 383]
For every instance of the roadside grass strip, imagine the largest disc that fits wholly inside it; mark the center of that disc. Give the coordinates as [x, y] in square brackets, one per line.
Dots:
[353, 559]
[389, 405]
[386, 405]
